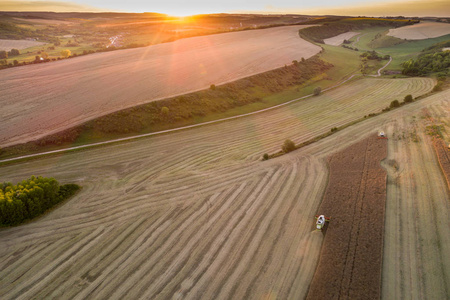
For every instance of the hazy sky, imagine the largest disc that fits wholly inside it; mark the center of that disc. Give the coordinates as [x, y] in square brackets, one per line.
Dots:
[185, 7]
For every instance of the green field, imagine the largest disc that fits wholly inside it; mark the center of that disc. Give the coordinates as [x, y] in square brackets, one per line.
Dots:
[400, 52]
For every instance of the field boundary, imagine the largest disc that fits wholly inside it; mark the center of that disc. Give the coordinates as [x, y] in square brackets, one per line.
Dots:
[135, 137]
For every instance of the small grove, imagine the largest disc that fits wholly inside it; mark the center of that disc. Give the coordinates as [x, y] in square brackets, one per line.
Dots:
[428, 63]
[31, 198]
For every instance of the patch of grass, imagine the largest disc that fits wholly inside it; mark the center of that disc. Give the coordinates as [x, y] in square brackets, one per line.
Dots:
[346, 62]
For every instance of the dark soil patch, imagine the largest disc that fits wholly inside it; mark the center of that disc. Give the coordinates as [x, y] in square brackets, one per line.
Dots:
[443, 154]
[351, 256]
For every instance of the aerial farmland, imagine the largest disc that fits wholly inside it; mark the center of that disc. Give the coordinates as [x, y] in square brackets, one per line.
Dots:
[218, 208]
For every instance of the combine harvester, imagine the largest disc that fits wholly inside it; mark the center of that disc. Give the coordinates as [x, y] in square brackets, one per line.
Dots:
[320, 223]
[382, 135]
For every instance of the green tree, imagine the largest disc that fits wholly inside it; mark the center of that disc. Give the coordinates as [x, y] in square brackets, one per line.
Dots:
[408, 98]
[212, 87]
[265, 156]
[394, 104]
[317, 91]
[14, 52]
[288, 146]
[65, 53]
[3, 54]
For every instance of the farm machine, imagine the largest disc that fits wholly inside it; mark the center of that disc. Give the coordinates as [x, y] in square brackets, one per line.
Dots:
[382, 135]
[321, 219]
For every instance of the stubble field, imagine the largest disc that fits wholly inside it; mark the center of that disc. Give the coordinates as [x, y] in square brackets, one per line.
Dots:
[195, 212]
[417, 241]
[7, 45]
[41, 99]
[339, 39]
[421, 31]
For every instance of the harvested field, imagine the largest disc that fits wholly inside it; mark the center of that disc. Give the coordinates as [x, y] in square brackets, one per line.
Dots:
[27, 120]
[421, 31]
[7, 45]
[351, 256]
[339, 39]
[191, 213]
[417, 240]
[51, 97]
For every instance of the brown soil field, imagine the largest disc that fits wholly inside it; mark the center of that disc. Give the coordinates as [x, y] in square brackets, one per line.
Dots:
[50, 97]
[443, 154]
[339, 39]
[351, 257]
[7, 45]
[195, 213]
[421, 31]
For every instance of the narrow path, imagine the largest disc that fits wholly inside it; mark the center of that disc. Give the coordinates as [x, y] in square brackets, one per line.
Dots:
[357, 39]
[381, 69]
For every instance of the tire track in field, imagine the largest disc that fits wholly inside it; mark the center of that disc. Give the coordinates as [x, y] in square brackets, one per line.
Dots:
[191, 213]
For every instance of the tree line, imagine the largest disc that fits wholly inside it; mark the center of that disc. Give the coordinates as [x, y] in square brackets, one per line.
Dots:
[30, 198]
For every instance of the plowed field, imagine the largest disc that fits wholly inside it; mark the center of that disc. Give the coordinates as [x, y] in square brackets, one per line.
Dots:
[196, 213]
[351, 257]
[46, 98]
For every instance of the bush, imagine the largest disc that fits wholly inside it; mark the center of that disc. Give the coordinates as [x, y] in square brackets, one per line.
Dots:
[65, 53]
[288, 146]
[394, 104]
[265, 156]
[334, 129]
[317, 91]
[14, 52]
[212, 87]
[408, 98]
[165, 110]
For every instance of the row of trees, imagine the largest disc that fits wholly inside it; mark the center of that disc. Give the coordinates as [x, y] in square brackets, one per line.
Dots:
[30, 198]
[5, 54]
[372, 55]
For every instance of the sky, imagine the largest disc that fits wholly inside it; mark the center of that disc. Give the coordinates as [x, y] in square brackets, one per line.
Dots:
[438, 8]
